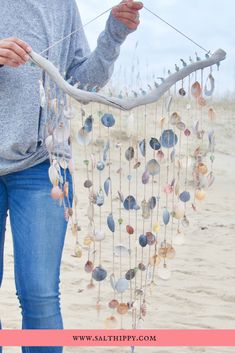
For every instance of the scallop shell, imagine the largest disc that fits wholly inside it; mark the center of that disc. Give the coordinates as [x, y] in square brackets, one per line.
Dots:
[129, 203]
[122, 308]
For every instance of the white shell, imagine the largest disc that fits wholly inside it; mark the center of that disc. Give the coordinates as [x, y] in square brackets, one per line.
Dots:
[53, 175]
[99, 235]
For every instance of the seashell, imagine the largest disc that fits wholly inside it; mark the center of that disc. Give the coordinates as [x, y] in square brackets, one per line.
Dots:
[141, 267]
[113, 304]
[111, 323]
[88, 240]
[185, 196]
[120, 196]
[202, 168]
[66, 189]
[143, 241]
[56, 193]
[112, 281]
[42, 95]
[155, 144]
[160, 156]
[181, 126]
[187, 132]
[63, 163]
[182, 92]
[156, 227]
[142, 147]
[83, 137]
[200, 194]
[145, 209]
[210, 179]
[53, 175]
[166, 216]
[155, 260]
[77, 251]
[105, 152]
[89, 266]
[196, 90]
[201, 101]
[131, 274]
[108, 120]
[151, 239]
[121, 251]
[130, 230]
[99, 235]
[88, 184]
[111, 223]
[211, 114]
[153, 167]
[88, 125]
[178, 211]
[90, 212]
[99, 274]
[164, 273]
[129, 203]
[152, 203]
[137, 165]
[168, 189]
[122, 285]
[145, 177]
[49, 143]
[209, 92]
[100, 198]
[130, 153]
[107, 186]
[122, 308]
[168, 139]
[185, 222]
[175, 118]
[100, 166]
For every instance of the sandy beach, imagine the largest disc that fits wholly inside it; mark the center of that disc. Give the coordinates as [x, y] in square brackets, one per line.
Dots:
[201, 292]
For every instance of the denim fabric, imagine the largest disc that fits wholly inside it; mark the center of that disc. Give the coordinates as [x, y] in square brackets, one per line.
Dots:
[38, 229]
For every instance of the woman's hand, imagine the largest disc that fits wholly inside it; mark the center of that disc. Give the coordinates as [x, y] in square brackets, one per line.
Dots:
[127, 12]
[13, 52]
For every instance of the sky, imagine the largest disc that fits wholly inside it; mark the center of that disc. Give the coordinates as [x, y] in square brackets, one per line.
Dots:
[210, 23]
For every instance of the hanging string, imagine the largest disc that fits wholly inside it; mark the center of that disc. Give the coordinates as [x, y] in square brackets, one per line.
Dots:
[110, 9]
[177, 30]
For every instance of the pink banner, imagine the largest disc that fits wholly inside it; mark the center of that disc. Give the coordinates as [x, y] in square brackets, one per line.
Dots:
[117, 338]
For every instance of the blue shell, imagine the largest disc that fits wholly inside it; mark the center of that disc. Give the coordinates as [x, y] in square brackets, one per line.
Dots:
[155, 144]
[111, 223]
[142, 146]
[185, 196]
[100, 198]
[107, 186]
[105, 153]
[143, 241]
[168, 139]
[88, 125]
[129, 203]
[108, 120]
[166, 216]
[100, 166]
[99, 274]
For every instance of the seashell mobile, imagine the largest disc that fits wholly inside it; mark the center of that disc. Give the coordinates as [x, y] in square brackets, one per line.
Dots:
[142, 186]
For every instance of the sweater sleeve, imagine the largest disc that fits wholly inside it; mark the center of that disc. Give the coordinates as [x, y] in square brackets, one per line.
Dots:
[94, 69]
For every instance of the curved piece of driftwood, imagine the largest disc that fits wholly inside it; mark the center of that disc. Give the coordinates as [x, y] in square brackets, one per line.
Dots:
[130, 103]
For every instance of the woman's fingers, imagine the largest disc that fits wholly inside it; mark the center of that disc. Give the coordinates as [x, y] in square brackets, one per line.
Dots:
[127, 12]
[13, 52]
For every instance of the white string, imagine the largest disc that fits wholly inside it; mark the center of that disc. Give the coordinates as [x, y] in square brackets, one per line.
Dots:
[110, 9]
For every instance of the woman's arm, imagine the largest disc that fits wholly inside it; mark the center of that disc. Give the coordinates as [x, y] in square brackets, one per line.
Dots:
[13, 52]
[95, 69]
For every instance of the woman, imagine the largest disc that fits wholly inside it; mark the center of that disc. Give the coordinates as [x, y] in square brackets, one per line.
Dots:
[37, 224]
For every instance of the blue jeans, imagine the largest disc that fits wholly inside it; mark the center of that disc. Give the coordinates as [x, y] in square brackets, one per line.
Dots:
[38, 229]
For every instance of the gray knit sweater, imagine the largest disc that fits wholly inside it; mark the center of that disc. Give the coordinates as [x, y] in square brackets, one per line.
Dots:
[40, 24]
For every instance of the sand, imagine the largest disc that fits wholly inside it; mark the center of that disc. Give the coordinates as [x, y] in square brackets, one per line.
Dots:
[201, 293]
